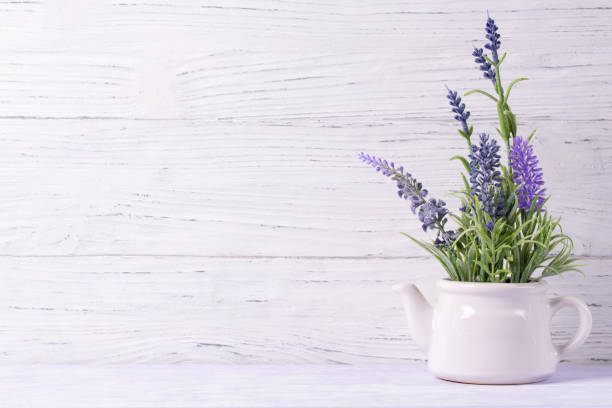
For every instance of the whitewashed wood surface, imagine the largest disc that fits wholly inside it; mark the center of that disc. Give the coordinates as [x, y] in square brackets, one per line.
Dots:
[179, 179]
[278, 386]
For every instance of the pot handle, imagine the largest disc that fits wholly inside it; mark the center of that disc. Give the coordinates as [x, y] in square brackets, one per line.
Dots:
[584, 325]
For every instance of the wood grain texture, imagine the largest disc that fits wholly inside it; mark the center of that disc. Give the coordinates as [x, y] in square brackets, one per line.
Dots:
[196, 188]
[203, 386]
[144, 139]
[97, 309]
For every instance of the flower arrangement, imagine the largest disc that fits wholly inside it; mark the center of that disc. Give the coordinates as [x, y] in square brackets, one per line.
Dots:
[503, 231]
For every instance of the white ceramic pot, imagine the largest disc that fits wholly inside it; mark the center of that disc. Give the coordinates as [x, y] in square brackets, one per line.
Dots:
[490, 333]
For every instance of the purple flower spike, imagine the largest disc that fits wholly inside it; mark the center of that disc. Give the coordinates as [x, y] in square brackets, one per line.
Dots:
[432, 213]
[461, 114]
[526, 173]
[493, 37]
[408, 187]
[485, 177]
[485, 67]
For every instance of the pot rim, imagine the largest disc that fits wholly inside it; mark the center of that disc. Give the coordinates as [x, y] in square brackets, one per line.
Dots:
[448, 285]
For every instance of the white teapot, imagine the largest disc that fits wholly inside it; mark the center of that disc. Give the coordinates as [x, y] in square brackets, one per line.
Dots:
[490, 333]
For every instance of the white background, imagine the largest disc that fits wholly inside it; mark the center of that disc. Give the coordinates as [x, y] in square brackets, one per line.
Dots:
[179, 178]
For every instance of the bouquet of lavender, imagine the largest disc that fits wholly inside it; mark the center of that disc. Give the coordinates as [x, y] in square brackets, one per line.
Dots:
[503, 232]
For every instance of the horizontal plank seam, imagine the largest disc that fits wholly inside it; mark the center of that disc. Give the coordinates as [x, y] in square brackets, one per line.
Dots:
[296, 257]
[230, 120]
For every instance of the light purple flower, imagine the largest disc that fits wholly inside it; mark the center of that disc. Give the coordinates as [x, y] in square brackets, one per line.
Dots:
[526, 173]
[431, 212]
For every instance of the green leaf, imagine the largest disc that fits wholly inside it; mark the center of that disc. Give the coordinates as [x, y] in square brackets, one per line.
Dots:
[502, 58]
[516, 81]
[481, 92]
[443, 258]
[463, 161]
[466, 185]
[531, 135]
[511, 121]
[503, 123]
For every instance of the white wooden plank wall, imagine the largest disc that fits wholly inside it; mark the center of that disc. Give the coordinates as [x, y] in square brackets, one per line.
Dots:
[179, 181]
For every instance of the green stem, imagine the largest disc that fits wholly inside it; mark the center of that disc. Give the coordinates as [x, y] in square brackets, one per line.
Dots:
[498, 86]
[501, 108]
[440, 227]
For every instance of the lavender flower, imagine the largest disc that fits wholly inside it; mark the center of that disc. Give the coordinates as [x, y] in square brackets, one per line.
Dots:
[488, 72]
[526, 173]
[485, 177]
[432, 213]
[493, 37]
[408, 187]
[461, 114]
[445, 239]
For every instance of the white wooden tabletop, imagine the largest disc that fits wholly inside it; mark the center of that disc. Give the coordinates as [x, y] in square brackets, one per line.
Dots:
[179, 386]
